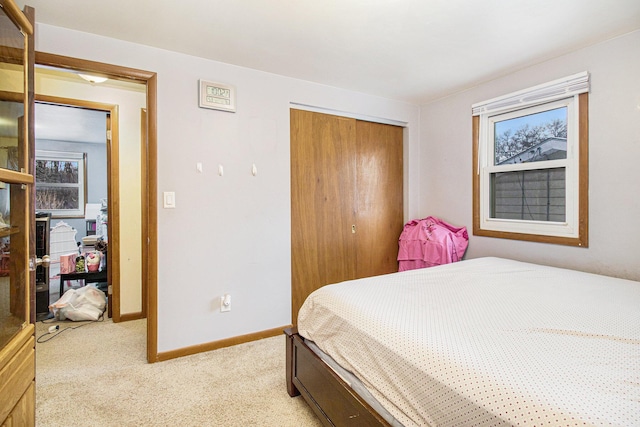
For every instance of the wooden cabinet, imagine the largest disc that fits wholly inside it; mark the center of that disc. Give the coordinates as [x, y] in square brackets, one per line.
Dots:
[17, 282]
[23, 414]
[17, 375]
[346, 200]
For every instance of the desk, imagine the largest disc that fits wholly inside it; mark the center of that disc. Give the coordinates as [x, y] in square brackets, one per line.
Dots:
[88, 277]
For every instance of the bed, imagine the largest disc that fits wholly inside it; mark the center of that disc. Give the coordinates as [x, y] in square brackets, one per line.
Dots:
[482, 342]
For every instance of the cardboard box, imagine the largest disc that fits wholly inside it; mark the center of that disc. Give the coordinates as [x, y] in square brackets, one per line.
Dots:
[68, 263]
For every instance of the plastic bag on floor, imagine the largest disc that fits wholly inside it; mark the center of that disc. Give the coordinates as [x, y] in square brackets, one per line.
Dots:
[86, 303]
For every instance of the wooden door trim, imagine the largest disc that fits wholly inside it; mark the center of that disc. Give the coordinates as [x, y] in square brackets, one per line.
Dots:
[150, 240]
[346, 114]
[144, 218]
[30, 14]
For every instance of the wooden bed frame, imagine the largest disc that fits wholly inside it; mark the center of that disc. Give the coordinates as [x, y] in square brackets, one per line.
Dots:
[330, 397]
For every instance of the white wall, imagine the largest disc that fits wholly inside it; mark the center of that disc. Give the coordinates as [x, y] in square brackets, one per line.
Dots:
[227, 234]
[614, 150]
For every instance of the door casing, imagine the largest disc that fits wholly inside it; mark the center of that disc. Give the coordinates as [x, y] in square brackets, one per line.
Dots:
[149, 185]
[113, 186]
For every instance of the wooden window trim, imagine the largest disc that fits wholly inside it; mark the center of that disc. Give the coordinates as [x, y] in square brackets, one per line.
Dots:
[582, 240]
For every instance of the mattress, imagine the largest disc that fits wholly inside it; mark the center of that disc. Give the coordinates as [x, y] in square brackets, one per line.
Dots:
[487, 342]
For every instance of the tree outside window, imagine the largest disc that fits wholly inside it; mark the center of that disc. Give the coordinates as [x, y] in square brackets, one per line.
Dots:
[60, 183]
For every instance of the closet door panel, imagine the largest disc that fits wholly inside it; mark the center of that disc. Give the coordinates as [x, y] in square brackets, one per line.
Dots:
[379, 197]
[322, 202]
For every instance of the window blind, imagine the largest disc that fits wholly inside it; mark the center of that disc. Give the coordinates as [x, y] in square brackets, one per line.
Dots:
[546, 92]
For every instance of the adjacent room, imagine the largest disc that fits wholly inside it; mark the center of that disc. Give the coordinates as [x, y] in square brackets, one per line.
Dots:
[417, 213]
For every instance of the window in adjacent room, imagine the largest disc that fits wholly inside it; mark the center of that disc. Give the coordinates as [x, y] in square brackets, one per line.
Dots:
[60, 183]
[530, 176]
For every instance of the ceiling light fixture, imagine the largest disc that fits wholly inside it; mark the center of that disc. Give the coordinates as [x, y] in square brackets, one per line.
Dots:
[93, 79]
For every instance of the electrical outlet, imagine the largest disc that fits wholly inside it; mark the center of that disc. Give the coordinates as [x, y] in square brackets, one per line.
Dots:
[225, 303]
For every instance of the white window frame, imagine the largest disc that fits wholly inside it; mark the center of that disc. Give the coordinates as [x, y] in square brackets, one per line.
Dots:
[560, 93]
[81, 159]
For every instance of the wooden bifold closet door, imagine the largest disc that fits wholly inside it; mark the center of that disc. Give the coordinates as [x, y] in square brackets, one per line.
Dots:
[346, 200]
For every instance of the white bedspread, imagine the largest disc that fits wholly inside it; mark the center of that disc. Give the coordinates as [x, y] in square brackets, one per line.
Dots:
[487, 342]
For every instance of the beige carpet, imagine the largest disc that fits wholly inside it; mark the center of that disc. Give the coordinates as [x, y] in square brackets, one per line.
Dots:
[97, 375]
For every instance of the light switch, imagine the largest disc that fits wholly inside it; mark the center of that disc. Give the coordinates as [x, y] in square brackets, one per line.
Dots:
[169, 199]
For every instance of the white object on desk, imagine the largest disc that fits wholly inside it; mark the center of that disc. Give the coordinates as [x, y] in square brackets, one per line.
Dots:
[92, 210]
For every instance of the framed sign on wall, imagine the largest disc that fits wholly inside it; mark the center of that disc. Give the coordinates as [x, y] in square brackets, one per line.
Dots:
[217, 96]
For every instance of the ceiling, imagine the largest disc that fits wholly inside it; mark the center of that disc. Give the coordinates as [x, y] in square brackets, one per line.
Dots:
[411, 50]
[70, 124]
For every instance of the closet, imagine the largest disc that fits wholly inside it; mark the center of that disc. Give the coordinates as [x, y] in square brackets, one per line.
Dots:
[346, 200]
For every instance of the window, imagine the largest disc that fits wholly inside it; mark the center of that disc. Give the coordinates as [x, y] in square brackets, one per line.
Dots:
[60, 183]
[530, 178]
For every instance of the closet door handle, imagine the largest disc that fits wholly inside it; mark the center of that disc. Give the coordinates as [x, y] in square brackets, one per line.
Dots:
[353, 229]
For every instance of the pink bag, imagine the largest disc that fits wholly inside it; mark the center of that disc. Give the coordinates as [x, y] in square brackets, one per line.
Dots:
[68, 263]
[430, 241]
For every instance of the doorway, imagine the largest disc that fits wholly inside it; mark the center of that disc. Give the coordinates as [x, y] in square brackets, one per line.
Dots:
[75, 128]
[147, 168]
